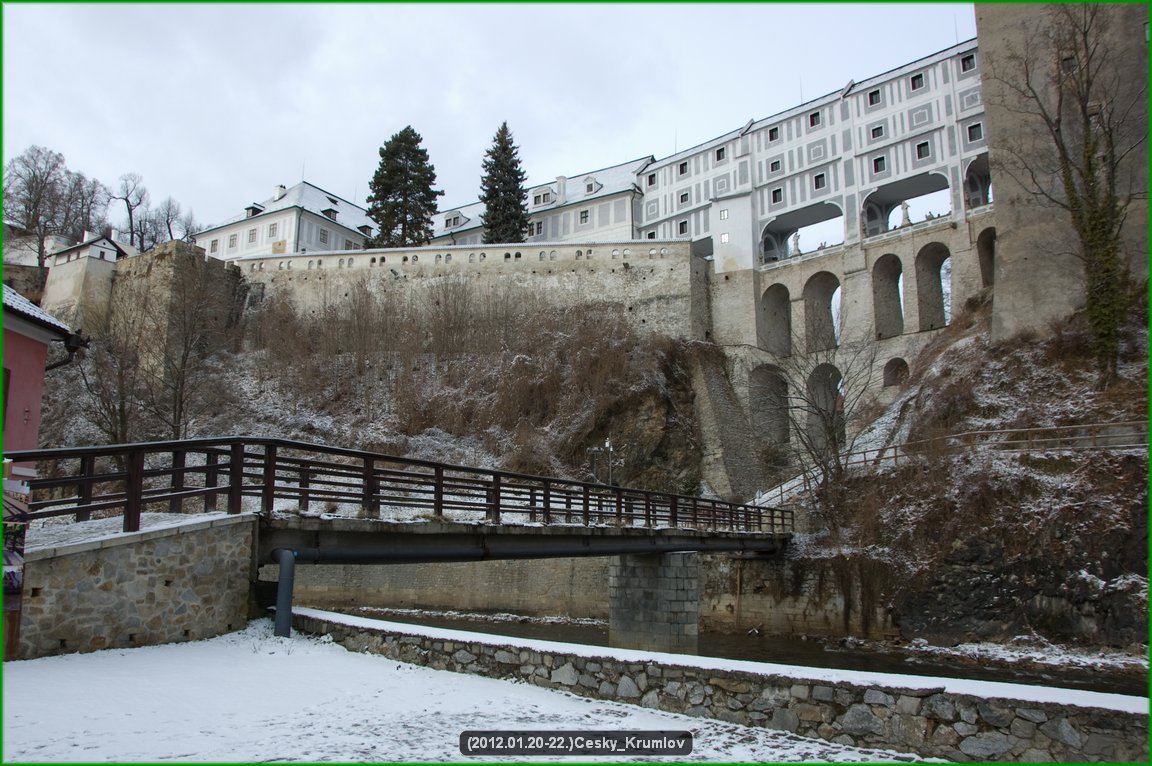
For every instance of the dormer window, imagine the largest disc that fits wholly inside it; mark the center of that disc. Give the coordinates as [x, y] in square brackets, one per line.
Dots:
[452, 220]
[543, 198]
[365, 230]
[329, 212]
[253, 210]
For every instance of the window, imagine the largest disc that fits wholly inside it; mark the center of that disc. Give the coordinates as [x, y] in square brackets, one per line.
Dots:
[724, 214]
[452, 221]
[720, 154]
[251, 236]
[349, 244]
[682, 227]
[323, 236]
[272, 229]
[968, 63]
[975, 132]
[879, 164]
[651, 179]
[819, 181]
[542, 199]
[724, 238]
[774, 134]
[583, 216]
[232, 240]
[589, 187]
[923, 150]
[777, 196]
[215, 246]
[683, 169]
[683, 197]
[651, 235]
[330, 212]
[877, 131]
[917, 81]
[874, 97]
[814, 120]
[774, 166]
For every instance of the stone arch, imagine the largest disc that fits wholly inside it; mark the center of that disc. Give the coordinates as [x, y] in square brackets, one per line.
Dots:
[887, 305]
[825, 404]
[986, 254]
[769, 397]
[774, 328]
[895, 372]
[819, 324]
[930, 285]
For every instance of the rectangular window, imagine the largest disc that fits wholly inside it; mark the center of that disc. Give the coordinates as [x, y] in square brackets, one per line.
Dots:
[774, 134]
[813, 119]
[724, 238]
[683, 197]
[232, 240]
[917, 81]
[975, 132]
[651, 179]
[682, 227]
[683, 168]
[583, 216]
[720, 153]
[349, 244]
[272, 229]
[874, 97]
[878, 131]
[923, 150]
[251, 236]
[323, 236]
[589, 188]
[819, 181]
[878, 164]
[777, 196]
[968, 63]
[724, 214]
[651, 235]
[215, 246]
[774, 166]
[536, 199]
[547, 196]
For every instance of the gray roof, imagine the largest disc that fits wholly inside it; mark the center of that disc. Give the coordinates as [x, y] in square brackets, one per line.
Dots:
[314, 200]
[17, 303]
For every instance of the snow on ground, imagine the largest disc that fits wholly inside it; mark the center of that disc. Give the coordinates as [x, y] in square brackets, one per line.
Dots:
[249, 696]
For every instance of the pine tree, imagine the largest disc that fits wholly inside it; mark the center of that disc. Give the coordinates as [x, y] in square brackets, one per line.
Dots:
[505, 216]
[402, 200]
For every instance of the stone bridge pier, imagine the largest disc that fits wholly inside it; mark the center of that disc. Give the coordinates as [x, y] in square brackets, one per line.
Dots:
[654, 602]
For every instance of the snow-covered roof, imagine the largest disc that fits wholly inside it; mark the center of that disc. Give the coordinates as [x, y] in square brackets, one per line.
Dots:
[606, 182]
[311, 198]
[18, 304]
[122, 251]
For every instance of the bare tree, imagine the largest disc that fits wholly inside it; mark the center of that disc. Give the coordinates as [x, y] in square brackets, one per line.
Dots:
[168, 217]
[189, 227]
[1084, 120]
[134, 195]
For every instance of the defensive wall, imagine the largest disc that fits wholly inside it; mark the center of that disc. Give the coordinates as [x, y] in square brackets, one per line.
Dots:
[862, 710]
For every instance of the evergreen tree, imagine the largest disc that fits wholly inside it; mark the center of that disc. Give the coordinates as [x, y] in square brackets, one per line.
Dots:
[402, 200]
[505, 215]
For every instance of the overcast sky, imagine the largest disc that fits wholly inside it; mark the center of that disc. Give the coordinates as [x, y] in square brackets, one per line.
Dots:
[216, 104]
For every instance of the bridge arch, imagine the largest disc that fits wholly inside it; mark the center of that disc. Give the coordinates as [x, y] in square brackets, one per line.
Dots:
[895, 372]
[770, 417]
[930, 285]
[986, 255]
[779, 239]
[825, 403]
[774, 328]
[887, 300]
[819, 314]
[977, 183]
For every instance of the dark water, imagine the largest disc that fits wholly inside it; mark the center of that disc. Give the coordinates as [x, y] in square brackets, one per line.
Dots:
[792, 651]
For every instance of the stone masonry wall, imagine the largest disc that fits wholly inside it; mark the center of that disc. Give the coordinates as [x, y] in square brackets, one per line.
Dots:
[929, 722]
[654, 602]
[150, 587]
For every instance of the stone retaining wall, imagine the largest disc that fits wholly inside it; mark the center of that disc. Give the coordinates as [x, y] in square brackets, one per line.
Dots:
[930, 722]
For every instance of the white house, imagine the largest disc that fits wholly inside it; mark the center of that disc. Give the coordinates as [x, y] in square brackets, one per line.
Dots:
[299, 219]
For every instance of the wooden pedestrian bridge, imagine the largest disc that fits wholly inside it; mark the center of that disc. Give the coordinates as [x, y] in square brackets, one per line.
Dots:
[329, 505]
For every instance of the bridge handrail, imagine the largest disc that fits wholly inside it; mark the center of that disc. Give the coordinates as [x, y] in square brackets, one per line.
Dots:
[269, 468]
[1026, 440]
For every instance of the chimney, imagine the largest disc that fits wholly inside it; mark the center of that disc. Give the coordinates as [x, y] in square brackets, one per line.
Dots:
[278, 193]
[561, 189]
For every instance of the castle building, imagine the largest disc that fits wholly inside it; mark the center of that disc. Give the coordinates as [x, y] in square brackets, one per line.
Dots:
[299, 219]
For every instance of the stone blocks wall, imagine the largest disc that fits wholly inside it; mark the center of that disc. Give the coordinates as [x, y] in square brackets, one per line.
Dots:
[150, 587]
[927, 721]
[654, 602]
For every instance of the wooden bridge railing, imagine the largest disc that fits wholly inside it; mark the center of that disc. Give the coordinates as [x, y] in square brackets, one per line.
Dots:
[243, 473]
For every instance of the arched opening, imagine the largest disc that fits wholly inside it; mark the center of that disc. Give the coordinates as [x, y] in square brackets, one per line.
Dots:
[887, 300]
[933, 285]
[978, 183]
[820, 316]
[825, 404]
[774, 328]
[905, 202]
[895, 372]
[770, 405]
[986, 255]
[802, 231]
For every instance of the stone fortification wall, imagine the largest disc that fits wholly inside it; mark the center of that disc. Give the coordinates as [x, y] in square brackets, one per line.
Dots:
[150, 587]
[929, 721]
[654, 282]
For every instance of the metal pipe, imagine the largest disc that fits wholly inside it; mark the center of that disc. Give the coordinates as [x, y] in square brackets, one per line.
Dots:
[287, 560]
